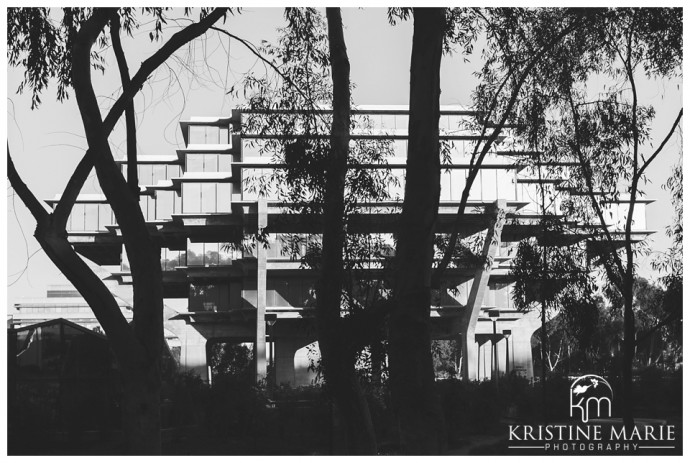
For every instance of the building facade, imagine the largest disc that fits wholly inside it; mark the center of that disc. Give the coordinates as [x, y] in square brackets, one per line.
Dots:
[200, 199]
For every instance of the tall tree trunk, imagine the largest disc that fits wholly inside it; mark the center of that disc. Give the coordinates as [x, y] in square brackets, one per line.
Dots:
[141, 409]
[422, 428]
[628, 352]
[355, 429]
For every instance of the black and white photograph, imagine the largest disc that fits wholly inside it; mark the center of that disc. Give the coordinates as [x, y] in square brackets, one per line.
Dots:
[340, 230]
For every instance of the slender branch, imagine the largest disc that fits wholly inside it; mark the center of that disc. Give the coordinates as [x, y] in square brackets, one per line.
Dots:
[663, 143]
[273, 66]
[635, 178]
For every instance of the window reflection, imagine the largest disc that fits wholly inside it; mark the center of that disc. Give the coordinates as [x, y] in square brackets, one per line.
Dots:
[205, 162]
[289, 292]
[206, 197]
[208, 134]
[172, 259]
[209, 297]
[210, 254]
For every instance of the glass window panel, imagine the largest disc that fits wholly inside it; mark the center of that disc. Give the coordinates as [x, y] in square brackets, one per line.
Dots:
[249, 177]
[158, 173]
[445, 185]
[195, 298]
[401, 121]
[77, 220]
[454, 123]
[639, 217]
[168, 260]
[195, 254]
[151, 211]
[210, 163]
[224, 193]
[235, 295]
[506, 184]
[400, 148]
[225, 254]
[223, 136]
[488, 184]
[164, 204]
[211, 254]
[223, 297]
[104, 216]
[191, 194]
[91, 217]
[224, 163]
[457, 183]
[177, 204]
[388, 121]
[212, 134]
[196, 134]
[173, 171]
[250, 149]
[146, 174]
[208, 197]
[195, 162]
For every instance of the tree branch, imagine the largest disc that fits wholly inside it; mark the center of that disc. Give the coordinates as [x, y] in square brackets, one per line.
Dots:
[76, 182]
[587, 173]
[176, 41]
[130, 123]
[270, 63]
[36, 207]
[663, 143]
[667, 321]
[452, 242]
[69, 196]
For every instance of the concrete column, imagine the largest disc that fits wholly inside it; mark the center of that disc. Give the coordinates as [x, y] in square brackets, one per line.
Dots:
[193, 356]
[284, 358]
[521, 344]
[501, 352]
[468, 322]
[292, 362]
[260, 344]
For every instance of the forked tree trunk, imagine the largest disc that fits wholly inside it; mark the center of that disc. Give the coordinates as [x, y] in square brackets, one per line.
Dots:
[354, 429]
[421, 423]
[137, 348]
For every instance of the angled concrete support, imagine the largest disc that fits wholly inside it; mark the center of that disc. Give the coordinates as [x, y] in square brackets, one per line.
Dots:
[260, 344]
[468, 321]
[521, 357]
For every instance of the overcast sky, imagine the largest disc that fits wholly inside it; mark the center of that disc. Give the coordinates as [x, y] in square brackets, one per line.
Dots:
[47, 143]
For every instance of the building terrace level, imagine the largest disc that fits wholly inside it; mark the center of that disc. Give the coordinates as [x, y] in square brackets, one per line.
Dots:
[201, 208]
